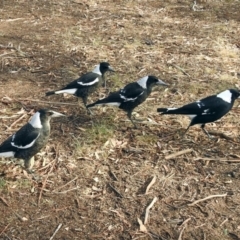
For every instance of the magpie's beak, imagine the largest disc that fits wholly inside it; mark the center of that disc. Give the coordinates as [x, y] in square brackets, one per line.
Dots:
[57, 114]
[160, 82]
[111, 69]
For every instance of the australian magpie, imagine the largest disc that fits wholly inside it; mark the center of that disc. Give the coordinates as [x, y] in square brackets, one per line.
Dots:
[29, 139]
[206, 110]
[87, 83]
[131, 95]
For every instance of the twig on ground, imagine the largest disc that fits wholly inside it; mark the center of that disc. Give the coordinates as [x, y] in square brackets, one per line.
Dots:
[142, 226]
[18, 120]
[35, 100]
[121, 217]
[206, 198]
[4, 201]
[176, 154]
[66, 184]
[115, 190]
[150, 184]
[59, 226]
[221, 135]
[63, 192]
[217, 159]
[5, 228]
[184, 224]
[148, 210]
[44, 183]
[181, 69]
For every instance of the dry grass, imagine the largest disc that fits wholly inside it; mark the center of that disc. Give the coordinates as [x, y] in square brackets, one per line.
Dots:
[93, 174]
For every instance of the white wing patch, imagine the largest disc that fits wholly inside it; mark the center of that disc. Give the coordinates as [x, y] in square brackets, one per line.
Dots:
[129, 99]
[35, 121]
[26, 146]
[143, 82]
[116, 104]
[89, 83]
[7, 154]
[225, 96]
[97, 70]
[69, 91]
[169, 109]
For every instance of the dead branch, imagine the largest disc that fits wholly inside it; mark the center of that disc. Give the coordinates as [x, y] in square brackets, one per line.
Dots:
[221, 135]
[66, 184]
[217, 159]
[148, 210]
[181, 69]
[184, 224]
[173, 155]
[59, 226]
[150, 184]
[142, 226]
[60, 103]
[4, 201]
[115, 190]
[63, 192]
[4, 229]
[206, 198]
[18, 120]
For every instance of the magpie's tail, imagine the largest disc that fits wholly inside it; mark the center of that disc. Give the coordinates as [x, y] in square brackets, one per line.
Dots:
[167, 110]
[98, 102]
[50, 93]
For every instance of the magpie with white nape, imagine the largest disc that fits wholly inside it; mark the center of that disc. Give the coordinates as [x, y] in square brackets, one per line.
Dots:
[87, 83]
[131, 95]
[29, 139]
[206, 110]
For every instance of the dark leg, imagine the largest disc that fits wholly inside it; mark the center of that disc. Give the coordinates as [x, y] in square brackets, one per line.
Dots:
[186, 130]
[129, 114]
[28, 164]
[84, 99]
[205, 131]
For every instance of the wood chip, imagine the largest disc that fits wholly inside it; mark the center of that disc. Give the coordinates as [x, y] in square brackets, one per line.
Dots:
[148, 210]
[150, 184]
[176, 154]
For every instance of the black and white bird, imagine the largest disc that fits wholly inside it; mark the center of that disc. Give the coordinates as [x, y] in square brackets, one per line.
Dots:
[87, 83]
[131, 95]
[206, 110]
[29, 139]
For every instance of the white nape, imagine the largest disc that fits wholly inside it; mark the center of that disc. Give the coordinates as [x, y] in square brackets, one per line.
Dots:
[36, 121]
[97, 70]
[225, 96]
[89, 83]
[69, 91]
[7, 154]
[26, 146]
[143, 82]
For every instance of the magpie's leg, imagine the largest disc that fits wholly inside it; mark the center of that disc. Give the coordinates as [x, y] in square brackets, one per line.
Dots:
[85, 104]
[205, 131]
[28, 164]
[186, 130]
[129, 114]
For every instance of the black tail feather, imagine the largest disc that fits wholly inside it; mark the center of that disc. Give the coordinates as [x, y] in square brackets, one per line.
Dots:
[162, 110]
[50, 93]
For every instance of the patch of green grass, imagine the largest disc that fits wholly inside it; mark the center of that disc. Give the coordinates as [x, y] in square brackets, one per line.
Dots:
[147, 139]
[2, 183]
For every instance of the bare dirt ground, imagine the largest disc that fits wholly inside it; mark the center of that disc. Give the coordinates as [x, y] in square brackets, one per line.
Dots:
[97, 176]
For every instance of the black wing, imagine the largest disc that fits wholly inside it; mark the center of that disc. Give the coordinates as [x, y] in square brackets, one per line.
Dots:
[25, 137]
[207, 106]
[86, 80]
[131, 92]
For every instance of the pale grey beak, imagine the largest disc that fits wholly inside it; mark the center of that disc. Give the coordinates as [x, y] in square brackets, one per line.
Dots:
[57, 114]
[160, 82]
[111, 69]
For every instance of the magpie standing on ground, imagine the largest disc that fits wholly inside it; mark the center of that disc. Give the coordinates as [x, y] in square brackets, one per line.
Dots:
[206, 110]
[87, 83]
[29, 139]
[131, 95]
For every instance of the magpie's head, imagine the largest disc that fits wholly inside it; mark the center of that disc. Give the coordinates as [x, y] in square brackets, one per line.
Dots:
[152, 80]
[46, 115]
[235, 94]
[104, 67]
